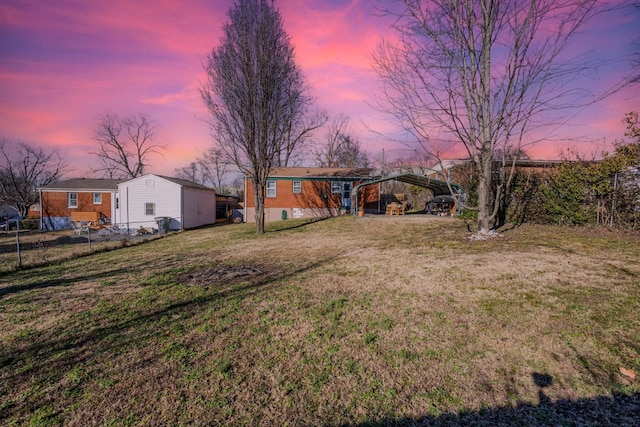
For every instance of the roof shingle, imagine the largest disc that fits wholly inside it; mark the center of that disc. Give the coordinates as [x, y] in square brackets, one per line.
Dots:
[87, 184]
[302, 172]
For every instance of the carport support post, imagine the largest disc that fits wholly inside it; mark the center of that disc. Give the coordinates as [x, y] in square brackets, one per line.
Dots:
[354, 208]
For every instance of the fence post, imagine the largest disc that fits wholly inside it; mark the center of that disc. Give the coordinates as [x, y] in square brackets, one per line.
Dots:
[18, 243]
[613, 199]
[89, 236]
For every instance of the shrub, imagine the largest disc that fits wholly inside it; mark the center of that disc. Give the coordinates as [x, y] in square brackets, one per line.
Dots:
[30, 223]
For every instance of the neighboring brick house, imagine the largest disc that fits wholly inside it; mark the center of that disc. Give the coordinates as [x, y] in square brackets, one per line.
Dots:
[311, 192]
[58, 201]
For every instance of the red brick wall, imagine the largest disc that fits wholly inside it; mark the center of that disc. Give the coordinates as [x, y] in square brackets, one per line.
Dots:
[315, 194]
[369, 196]
[55, 204]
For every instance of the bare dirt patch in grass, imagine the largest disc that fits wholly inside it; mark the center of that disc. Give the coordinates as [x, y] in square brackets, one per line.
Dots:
[220, 274]
[336, 322]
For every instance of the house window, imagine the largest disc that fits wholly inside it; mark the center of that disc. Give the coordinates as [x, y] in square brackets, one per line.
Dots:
[271, 189]
[297, 187]
[336, 187]
[72, 200]
[97, 198]
[149, 209]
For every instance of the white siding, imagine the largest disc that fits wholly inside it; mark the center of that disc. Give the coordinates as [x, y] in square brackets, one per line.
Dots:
[186, 206]
[199, 207]
[135, 193]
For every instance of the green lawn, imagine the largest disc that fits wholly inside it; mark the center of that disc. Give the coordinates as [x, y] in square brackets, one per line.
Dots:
[346, 321]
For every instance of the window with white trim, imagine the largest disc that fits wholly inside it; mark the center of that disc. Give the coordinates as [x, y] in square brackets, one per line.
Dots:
[72, 200]
[336, 187]
[97, 198]
[150, 209]
[271, 188]
[297, 187]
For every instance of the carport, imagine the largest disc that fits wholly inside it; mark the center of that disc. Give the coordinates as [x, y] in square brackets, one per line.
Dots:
[437, 186]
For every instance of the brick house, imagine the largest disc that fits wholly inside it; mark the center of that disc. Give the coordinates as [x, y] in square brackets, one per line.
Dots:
[311, 193]
[78, 198]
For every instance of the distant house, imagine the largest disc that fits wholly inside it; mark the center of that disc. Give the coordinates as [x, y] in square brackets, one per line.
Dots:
[87, 197]
[143, 199]
[311, 192]
[227, 208]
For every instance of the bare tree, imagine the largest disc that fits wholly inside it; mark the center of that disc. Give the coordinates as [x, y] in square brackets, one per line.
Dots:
[124, 145]
[326, 154]
[255, 93]
[351, 154]
[299, 133]
[340, 150]
[417, 163]
[481, 73]
[24, 168]
[210, 169]
[635, 57]
[191, 173]
[214, 166]
[237, 188]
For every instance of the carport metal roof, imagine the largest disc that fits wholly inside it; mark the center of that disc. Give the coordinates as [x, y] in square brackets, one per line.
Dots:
[438, 186]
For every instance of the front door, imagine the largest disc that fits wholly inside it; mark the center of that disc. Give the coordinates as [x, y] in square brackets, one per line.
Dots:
[346, 194]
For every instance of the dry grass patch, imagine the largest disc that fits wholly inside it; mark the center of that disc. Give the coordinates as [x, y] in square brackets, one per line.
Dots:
[337, 322]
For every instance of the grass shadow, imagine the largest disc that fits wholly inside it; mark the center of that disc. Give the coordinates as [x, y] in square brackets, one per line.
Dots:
[284, 226]
[618, 410]
[66, 281]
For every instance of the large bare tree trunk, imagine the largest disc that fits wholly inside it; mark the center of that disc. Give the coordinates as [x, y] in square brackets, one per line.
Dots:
[485, 195]
[258, 197]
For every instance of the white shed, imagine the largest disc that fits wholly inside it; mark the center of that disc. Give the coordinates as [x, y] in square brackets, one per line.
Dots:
[143, 199]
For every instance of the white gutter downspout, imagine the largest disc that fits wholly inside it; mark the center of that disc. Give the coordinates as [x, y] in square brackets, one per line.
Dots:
[128, 210]
[114, 202]
[182, 208]
[244, 214]
[40, 221]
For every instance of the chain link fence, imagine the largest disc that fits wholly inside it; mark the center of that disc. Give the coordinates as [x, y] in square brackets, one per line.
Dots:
[26, 248]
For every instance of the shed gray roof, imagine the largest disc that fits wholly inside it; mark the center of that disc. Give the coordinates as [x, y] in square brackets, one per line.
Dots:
[83, 184]
[185, 183]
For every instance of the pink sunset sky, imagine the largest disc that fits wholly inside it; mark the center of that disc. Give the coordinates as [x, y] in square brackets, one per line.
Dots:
[65, 62]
